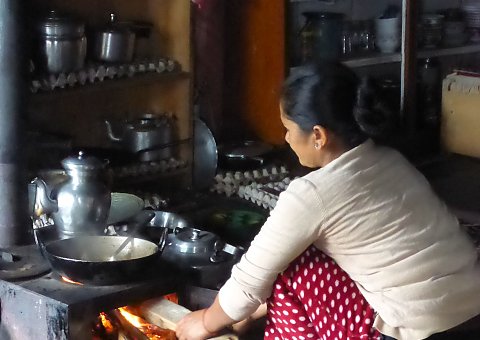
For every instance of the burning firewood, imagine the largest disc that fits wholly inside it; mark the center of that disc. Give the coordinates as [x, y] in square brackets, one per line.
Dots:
[134, 327]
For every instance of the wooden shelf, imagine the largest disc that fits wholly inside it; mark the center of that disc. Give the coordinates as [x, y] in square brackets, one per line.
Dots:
[441, 52]
[108, 83]
[381, 58]
[373, 59]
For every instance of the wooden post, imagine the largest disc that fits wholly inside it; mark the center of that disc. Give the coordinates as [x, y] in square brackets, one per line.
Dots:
[409, 66]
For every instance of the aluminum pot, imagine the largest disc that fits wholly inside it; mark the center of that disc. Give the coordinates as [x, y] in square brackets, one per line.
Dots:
[62, 43]
[115, 43]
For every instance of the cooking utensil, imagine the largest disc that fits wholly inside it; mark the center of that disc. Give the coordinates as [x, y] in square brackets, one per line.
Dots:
[62, 42]
[190, 246]
[115, 43]
[205, 156]
[146, 217]
[202, 256]
[145, 134]
[243, 155]
[85, 259]
[82, 202]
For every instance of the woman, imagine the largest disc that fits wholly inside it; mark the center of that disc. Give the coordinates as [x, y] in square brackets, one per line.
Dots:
[365, 228]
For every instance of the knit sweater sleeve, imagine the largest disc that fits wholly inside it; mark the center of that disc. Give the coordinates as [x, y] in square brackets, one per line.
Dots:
[292, 226]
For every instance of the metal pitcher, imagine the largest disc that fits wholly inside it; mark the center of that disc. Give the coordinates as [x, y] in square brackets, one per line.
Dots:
[79, 205]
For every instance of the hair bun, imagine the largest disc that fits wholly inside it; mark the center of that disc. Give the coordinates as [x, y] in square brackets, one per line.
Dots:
[371, 113]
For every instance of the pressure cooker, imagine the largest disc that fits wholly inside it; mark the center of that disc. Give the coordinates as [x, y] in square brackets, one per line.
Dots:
[114, 43]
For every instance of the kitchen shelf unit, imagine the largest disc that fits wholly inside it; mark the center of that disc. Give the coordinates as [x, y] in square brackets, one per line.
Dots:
[404, 63]
[80, 111]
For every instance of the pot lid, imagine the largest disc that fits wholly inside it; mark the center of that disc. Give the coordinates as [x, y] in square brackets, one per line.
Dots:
[59, 25]
[193, 241]
[115, 26]
[82, 162]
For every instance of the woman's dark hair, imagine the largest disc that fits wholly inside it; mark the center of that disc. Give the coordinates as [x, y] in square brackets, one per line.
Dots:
[331, 95]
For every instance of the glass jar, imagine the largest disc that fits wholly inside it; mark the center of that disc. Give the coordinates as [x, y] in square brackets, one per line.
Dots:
[321, 36]
[431, 91]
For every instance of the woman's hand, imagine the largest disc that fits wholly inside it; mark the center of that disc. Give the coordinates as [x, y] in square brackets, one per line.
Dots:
[192, 327]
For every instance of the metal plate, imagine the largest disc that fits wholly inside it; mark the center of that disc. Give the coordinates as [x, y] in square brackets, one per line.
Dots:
[205, 156]
[123, 207]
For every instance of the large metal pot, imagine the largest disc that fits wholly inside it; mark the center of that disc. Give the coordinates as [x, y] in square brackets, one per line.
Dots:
[62, 43]
[87, 259]
[115, 43]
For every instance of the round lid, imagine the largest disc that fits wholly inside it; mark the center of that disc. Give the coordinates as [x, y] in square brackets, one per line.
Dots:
[193, 241]
[114, 26]
[61, 26]
[82, 162]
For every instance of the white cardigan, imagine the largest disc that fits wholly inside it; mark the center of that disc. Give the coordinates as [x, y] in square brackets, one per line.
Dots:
[377, 216]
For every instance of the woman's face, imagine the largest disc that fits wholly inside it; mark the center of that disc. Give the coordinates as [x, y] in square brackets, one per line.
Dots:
[301, 142]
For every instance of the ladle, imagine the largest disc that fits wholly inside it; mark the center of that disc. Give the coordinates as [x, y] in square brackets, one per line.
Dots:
[142, 221]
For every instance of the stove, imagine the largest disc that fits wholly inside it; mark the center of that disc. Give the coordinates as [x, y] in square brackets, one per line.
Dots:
[46, 307]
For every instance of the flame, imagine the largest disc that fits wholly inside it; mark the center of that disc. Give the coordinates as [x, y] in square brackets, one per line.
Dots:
[66, 279]
[106, 323]
[152, 332]
[133, 319]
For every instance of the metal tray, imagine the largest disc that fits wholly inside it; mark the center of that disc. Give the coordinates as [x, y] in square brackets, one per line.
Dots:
[205, 156]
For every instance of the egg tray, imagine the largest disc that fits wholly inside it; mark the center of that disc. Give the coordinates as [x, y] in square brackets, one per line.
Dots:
[264, 195]
[229, 182]
[94, 73]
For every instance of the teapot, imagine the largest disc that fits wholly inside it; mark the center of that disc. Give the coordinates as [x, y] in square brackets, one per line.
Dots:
[80, 204]
[143, 134]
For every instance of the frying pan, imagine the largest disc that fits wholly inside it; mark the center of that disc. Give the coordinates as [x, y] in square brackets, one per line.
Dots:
[243, 155]
[86, 259]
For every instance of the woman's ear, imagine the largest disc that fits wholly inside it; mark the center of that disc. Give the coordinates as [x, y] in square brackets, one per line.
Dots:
[320, 135]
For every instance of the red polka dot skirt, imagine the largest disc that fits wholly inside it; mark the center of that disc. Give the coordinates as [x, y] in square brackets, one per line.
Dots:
[315, 299]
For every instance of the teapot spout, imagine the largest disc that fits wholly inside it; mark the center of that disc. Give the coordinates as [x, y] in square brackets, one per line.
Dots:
[110, 132]
[42, 203]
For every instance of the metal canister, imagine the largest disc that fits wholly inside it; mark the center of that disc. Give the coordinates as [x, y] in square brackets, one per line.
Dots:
[63, 45]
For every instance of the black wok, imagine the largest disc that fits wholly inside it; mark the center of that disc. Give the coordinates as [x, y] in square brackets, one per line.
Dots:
[87, 259]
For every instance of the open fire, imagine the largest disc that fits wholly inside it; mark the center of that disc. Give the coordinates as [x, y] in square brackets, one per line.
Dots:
[126, 323]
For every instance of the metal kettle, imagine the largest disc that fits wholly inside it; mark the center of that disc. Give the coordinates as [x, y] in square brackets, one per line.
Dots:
[143, 134]
[79, 205]
[191, 247]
